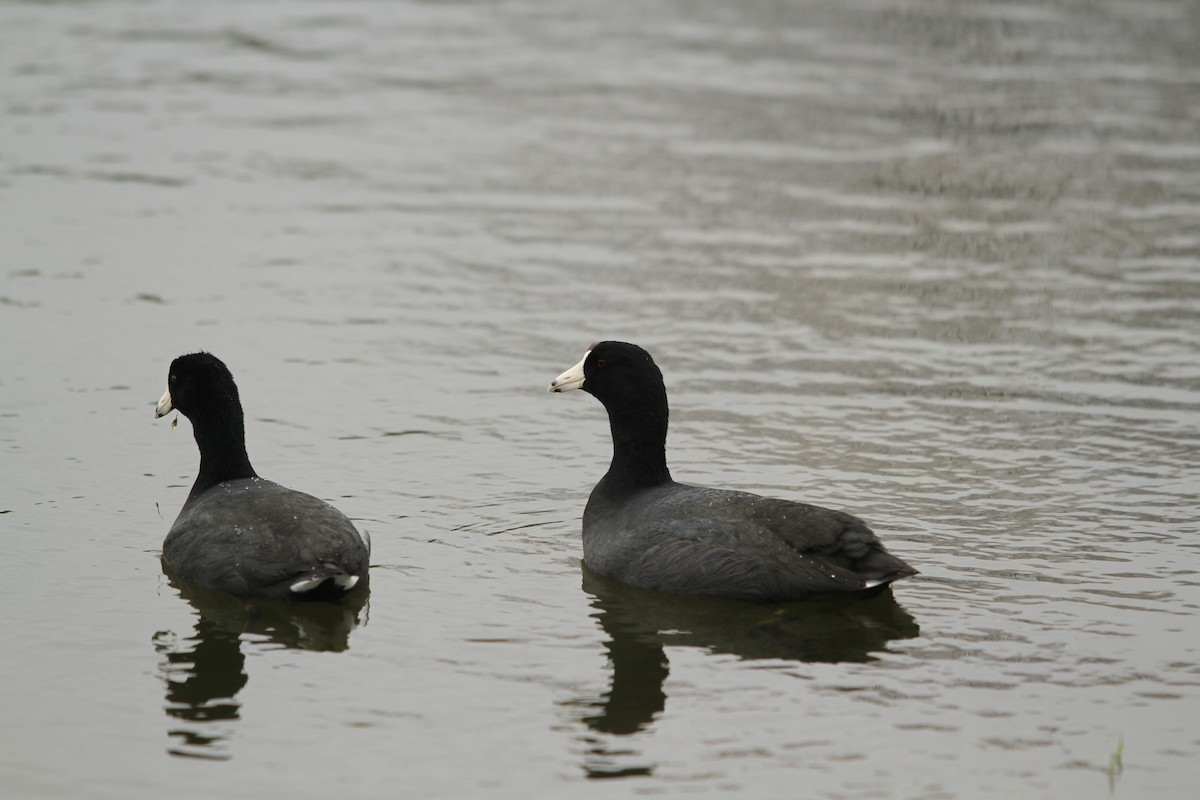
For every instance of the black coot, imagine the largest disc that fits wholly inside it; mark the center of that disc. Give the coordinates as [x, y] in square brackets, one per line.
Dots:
[643, 528]
[240, 533]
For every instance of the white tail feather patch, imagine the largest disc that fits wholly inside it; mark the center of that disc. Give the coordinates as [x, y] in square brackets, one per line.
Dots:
[306, 585]
[343, 581]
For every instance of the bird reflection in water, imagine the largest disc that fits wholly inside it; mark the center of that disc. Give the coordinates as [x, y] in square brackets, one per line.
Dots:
[204, 672]
[640, 623]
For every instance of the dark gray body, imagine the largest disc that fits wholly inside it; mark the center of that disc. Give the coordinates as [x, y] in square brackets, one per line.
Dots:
[253, 537]
[701, 541]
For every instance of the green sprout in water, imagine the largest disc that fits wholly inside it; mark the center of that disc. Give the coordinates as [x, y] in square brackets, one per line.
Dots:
[1115, 764]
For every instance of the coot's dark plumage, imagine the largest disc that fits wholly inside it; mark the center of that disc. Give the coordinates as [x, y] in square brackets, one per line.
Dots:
[240, 533]
[643, 528]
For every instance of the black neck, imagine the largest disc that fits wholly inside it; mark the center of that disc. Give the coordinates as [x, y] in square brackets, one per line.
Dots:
[639, 448]
[221, 437]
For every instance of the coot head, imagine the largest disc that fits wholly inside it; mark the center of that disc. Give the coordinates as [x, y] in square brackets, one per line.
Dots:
[618, 374]
[198, 384]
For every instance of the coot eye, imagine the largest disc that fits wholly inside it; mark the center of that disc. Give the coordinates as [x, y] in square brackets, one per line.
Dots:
[601, 363]
[171, 378]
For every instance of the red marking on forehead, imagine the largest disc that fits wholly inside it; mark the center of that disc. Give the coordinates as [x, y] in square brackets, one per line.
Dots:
[592, 346]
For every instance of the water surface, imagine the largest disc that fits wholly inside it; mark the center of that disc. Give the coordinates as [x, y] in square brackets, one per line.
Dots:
[934, 263]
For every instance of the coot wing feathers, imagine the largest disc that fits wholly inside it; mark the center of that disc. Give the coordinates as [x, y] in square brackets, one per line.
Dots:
[233, 538]
[700, 540]
[834, 538]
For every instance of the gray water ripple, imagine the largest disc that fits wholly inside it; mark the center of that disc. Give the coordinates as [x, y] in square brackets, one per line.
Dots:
[932, 263]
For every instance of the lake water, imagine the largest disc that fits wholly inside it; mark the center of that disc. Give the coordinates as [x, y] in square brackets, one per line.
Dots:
[933, 263]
